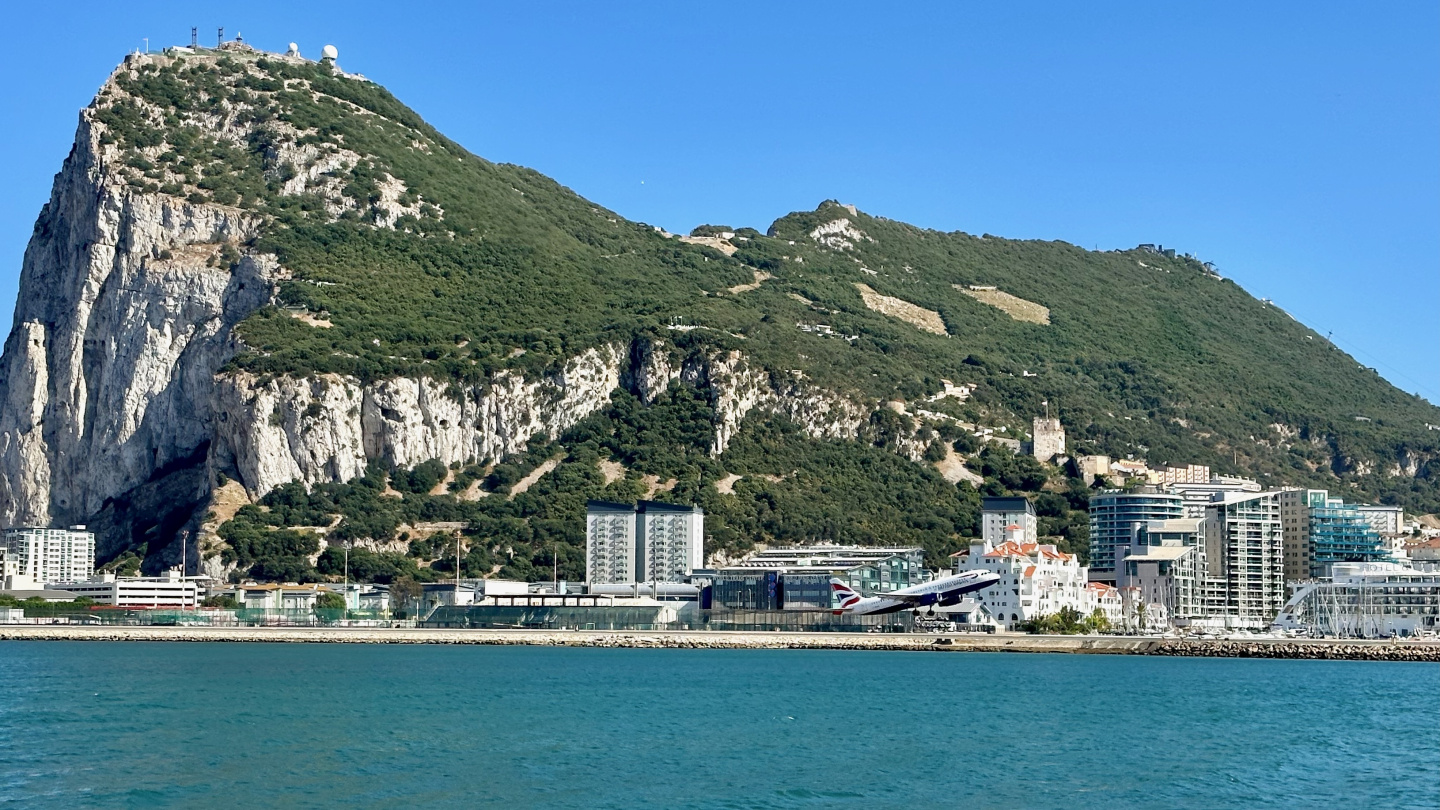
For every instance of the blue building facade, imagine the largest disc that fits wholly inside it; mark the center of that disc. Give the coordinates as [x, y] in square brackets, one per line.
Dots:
[1114, 517]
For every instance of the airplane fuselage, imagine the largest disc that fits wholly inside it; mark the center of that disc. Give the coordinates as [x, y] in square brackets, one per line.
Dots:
[943, 592]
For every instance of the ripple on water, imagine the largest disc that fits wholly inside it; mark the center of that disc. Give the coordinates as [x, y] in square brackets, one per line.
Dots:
[313, 725]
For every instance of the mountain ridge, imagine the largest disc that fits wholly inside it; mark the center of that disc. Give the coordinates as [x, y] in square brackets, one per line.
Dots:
[255, 268]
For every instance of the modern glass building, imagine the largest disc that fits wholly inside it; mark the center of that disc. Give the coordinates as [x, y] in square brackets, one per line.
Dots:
[1115, 515]
[1320, 531]
[1340, 532]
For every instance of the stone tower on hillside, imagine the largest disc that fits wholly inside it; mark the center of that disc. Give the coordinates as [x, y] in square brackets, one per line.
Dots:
[1049, 438]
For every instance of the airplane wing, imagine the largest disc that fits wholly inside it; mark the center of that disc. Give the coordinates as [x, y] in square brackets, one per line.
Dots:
[909, 598]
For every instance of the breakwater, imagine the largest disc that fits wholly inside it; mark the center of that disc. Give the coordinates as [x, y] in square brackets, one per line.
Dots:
[1327, 649]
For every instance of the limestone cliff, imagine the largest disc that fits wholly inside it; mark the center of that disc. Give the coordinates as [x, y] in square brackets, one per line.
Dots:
[121, 322]
[115, 412]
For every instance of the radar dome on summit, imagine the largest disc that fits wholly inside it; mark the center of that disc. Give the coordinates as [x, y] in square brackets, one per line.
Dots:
[329, 52]
[294, 50]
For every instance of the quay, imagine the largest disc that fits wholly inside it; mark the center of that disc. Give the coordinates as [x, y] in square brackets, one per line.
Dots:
[1326, 649]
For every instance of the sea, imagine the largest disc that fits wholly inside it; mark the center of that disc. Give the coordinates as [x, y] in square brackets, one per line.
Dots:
[252, 725]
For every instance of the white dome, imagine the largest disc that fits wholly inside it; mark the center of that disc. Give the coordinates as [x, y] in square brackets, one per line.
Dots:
[329, 52]
[294, 47]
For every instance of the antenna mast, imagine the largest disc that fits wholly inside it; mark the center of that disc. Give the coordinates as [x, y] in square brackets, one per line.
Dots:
[194, 37]
[220, 36]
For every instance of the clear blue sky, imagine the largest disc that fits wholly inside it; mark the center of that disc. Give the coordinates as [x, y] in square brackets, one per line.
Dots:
[1295, 145]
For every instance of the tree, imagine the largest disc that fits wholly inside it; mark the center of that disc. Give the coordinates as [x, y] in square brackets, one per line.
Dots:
[403, 591]
[220, 601]
[329, 601]
[1098, 622]
[1067, 621]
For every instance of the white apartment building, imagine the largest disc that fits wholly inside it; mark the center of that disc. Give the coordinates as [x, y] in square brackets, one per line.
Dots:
[43, 555]
[648, 542]
[1189, 474]
[998, 515]
[1035, 580]
[1106, 599]
[1197, 496]
[1244, 557]
[610, 542]
[168, 590]
[9, 569]
[1385, 519]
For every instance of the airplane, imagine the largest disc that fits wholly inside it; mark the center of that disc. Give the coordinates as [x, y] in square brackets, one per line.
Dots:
[944, 592]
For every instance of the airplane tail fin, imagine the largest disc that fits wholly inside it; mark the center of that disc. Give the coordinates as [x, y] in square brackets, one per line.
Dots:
[845, 596]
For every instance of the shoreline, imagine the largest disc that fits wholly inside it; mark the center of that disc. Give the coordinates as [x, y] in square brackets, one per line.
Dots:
[1322, 649]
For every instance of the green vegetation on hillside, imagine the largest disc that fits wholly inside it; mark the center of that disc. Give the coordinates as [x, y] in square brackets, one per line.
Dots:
[495, 266]
[791, 489]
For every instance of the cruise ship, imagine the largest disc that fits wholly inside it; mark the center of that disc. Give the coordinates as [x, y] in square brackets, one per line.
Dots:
[1366, 600]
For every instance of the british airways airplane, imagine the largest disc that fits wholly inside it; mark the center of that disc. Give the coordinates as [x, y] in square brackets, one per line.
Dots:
[946, 591]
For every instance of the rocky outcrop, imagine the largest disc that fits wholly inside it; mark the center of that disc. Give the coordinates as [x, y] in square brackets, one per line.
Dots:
[123, 318]
[114, 410]
[268, 431]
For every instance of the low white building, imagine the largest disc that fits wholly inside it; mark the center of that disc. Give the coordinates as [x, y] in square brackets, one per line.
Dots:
[1140, 614]
[168, 590]
[1106, 599]
[1035, 580]
[968, 614]
[1366, 600]
[272, 596]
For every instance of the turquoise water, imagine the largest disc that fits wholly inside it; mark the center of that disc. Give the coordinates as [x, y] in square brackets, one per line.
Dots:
[291, 725]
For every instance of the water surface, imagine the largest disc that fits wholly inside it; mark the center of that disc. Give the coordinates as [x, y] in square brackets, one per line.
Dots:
[311, 725]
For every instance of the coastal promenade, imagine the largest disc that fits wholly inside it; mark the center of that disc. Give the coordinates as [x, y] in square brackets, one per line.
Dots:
[1329, 649]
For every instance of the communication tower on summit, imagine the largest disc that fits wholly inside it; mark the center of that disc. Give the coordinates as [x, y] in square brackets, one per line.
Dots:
[194, 37]
[220, 36]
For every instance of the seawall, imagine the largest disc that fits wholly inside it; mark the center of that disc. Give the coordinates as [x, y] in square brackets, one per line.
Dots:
[1329, 649]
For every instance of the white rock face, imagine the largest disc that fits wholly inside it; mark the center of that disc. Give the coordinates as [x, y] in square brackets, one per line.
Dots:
[271, 431]
[119, 326]
[110, 382]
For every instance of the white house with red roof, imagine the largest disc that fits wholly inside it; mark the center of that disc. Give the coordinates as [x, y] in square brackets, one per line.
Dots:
[1107, 599]
[1036, 579]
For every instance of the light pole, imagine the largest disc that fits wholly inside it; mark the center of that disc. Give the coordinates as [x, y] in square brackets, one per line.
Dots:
[347, 575]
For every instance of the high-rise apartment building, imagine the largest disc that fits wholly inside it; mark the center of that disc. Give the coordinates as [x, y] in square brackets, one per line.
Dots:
[1114, 517]
[646, 542]
[1165, 565]
[610, 542]
[998, 514]
[40, 555]
[1244, 556]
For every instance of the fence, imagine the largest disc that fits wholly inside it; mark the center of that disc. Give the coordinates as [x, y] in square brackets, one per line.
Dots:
[664, 618]
[203, 617]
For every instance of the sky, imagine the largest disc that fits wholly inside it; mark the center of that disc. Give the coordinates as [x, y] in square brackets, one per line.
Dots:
[1295, 145]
